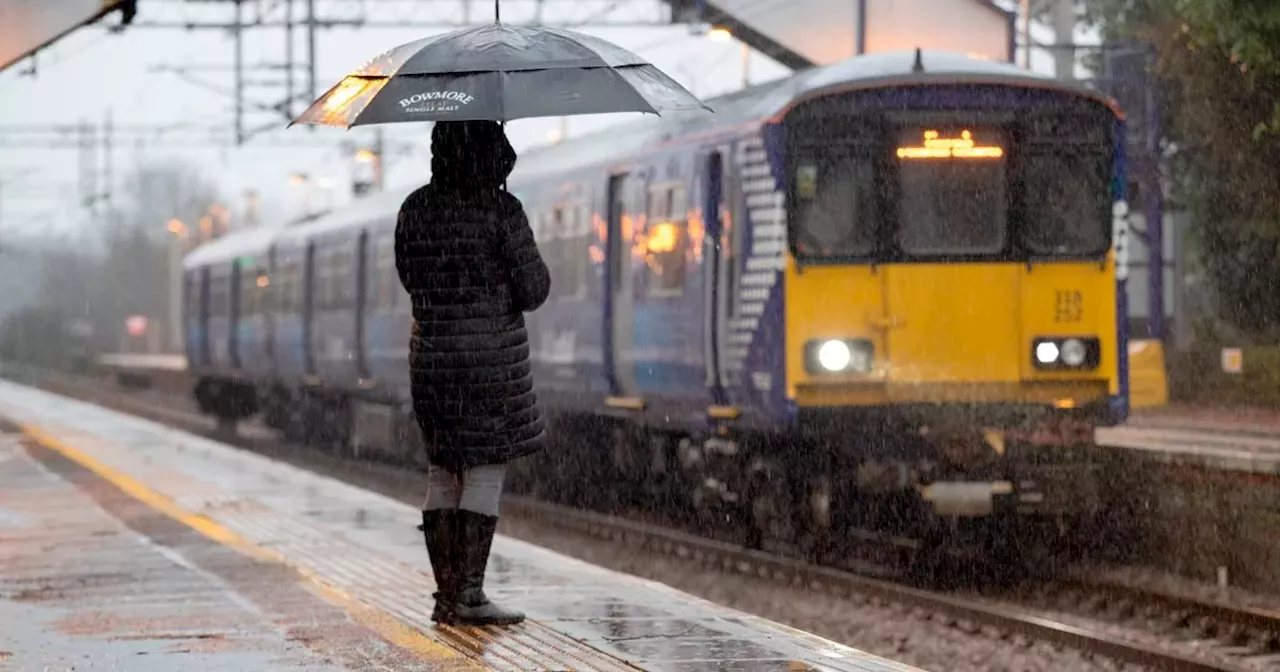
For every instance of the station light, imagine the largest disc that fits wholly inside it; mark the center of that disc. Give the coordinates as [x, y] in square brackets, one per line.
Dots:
[136, 325]
[366, 156]
[719, 34]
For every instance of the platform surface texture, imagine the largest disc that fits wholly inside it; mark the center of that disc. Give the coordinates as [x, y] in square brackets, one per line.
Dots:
[299, 571]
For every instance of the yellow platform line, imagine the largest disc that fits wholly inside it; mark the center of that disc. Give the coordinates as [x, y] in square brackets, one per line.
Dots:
[389, 627]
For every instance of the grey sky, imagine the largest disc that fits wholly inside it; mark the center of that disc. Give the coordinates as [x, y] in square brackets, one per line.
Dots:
[92, 71]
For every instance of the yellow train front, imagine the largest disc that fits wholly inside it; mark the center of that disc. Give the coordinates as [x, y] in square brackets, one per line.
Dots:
[952, 305]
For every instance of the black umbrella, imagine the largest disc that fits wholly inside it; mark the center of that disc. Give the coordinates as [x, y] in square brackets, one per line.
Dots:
[499, 73]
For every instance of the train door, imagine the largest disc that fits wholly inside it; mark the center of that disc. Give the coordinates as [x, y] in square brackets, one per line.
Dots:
[268, 307]
[235, 315]
[308, 309]
[619, 290]
[668, 328]
[290, 349]
[199, 350]
[718, 255]
[253, 339]
[219, 317]
[359, 305]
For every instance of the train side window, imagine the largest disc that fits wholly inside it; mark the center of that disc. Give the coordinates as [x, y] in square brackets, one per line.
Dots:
[333, 280]
[320, 279]
[192, 291]
[280, 289]
[384, 269]
[249, 292]
[289, 288]
[666, 237]
[553, 249]
[569, 251]
[579, 252]
[218, 303]
[294, 297]
[215, 298]
[733, 229]
[262, 284]
[343, 291]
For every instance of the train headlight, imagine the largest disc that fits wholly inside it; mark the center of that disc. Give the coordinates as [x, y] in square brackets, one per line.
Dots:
[838, 356]
[834, 355]
[1075, 352]
[1047, 352]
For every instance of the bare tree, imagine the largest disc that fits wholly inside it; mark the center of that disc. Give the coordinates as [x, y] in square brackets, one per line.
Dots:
[123, 264]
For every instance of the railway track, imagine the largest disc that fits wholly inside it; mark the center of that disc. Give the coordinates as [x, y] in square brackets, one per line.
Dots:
[1125, 624]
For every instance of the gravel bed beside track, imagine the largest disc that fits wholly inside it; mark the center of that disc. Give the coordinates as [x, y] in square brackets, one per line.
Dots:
[1150, 579]
[1154, 632]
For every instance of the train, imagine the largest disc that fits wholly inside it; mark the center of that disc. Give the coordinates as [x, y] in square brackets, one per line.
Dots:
[887, 293]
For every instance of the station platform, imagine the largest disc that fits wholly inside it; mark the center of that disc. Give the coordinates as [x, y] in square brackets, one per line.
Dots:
[139, 362]
[129, 545]
[1220, 448]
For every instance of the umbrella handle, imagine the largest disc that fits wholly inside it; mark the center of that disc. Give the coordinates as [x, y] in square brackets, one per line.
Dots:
[497, 11]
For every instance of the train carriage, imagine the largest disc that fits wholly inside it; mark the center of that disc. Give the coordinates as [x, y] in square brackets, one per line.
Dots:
[226, 324]
[869, 282]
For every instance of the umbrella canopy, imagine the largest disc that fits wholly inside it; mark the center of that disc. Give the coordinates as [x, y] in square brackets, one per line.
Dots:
[499, 73]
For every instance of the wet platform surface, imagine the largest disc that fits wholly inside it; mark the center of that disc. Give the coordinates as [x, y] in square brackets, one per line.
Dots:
[91, 578]
[1219, 449]
[351, 560]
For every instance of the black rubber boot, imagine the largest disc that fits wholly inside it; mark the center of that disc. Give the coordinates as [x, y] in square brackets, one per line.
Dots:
[475, 537]
[439, 528]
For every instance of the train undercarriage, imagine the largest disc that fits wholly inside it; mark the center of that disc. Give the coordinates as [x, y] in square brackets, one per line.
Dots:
[1026, 496]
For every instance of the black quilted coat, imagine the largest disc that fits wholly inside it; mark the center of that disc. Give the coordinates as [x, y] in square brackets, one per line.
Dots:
[465, 253]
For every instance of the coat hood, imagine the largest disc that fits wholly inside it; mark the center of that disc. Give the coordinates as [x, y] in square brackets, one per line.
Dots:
[470, 155]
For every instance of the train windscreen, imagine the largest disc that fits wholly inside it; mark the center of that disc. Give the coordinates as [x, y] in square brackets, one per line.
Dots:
[952, 191]
[1065, 165]
[988, 184]
[836, 204]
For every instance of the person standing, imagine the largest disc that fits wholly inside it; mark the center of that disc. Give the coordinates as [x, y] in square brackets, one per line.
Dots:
[465, 253]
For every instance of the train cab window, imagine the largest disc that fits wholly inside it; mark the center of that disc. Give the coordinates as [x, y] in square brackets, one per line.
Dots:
[1065, 170]
[665, 240]
[834, 196]
[953, 197]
